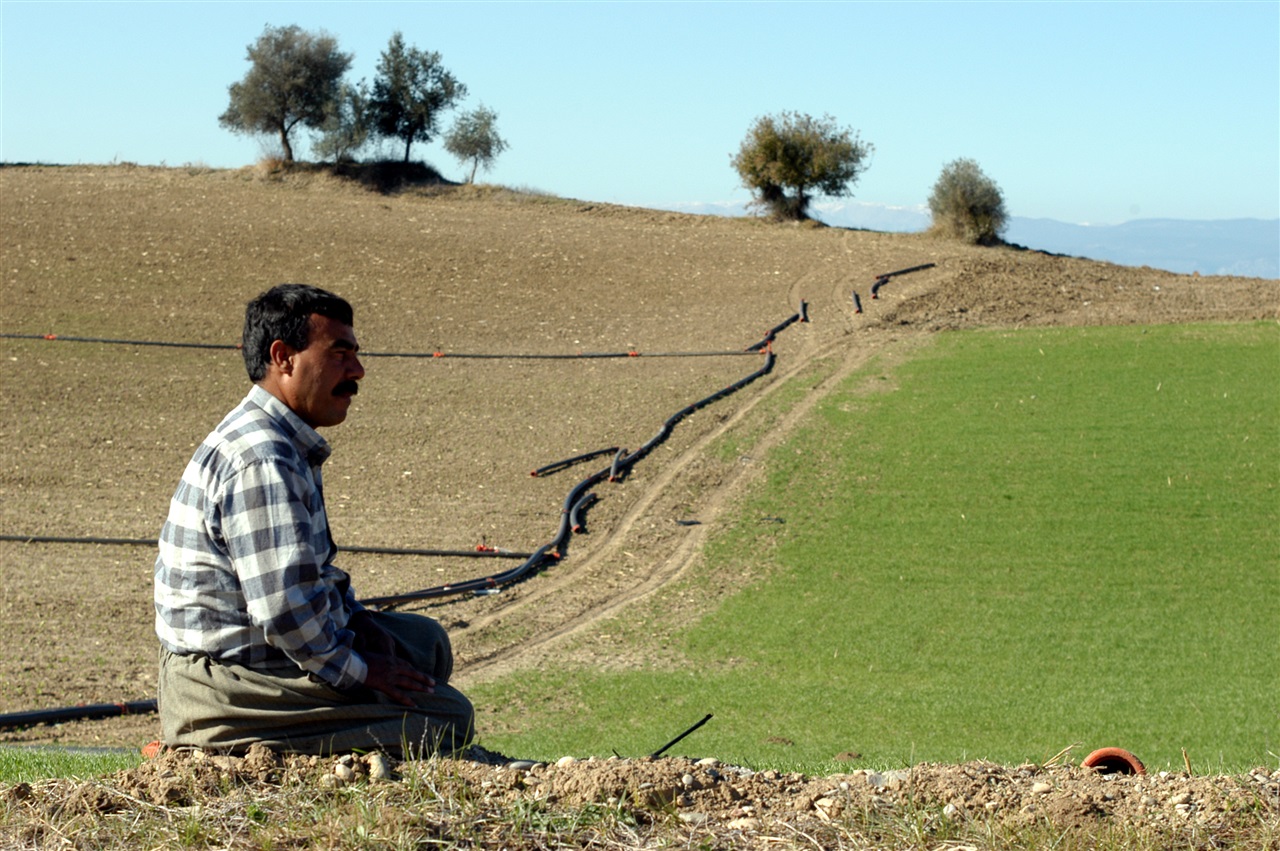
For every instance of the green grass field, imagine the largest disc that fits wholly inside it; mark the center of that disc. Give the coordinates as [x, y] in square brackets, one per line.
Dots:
[1012, 543]
[26, 764]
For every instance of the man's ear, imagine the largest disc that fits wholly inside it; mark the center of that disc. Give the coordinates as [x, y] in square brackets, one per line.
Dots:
[282, 356]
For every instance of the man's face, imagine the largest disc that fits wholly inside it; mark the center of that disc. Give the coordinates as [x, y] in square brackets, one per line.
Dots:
[322, 377]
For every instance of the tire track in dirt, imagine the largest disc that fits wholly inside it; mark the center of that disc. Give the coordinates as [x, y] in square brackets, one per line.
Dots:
[834, 341]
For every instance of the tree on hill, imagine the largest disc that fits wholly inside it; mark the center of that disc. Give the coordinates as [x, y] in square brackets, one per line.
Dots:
[346, 127]
[410, 92]
[293, 79]
[474, 139]
[967, 205]
[786, 160]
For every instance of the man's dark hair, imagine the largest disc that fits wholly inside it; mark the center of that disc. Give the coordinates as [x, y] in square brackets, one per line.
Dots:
[284, 313]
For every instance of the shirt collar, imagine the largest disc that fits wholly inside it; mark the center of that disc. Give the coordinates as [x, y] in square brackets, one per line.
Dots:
[308, 441]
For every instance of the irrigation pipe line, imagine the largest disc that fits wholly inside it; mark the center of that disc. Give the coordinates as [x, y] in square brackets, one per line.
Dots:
[631, 353]
[578, 499]
[552, 356]
[881, 280]
[75, 713]
[481, 551]
[66, 339]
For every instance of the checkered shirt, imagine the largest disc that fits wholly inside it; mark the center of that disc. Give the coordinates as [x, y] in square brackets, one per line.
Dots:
[245, 573]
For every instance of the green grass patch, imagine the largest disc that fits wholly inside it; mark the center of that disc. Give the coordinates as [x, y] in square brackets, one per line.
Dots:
[27, 764]
[1031, 539]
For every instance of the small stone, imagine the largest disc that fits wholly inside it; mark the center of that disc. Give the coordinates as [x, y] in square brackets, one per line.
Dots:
[522, 765]
[344, 772]
[1180, 798]
[687, 781]
[693, 818]
[991, 806]
[330, 781]
[747, 823]
[709, 762]
[1041, 788]
[565, 761]
[950, 811]
[828, 806]
[379, 769]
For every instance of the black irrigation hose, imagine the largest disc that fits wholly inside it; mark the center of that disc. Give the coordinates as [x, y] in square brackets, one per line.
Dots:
[58, 539]
[75, 713]
[557, 466]
[484, 584]
[66, 339]
[577, 521]
[478, 552]
[552, 356]
[577, 498]
[665, 431]
[802, 316]
[881, 280]
[908, 270]
[455, 356]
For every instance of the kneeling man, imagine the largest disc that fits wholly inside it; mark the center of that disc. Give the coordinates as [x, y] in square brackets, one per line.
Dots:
[262, 639]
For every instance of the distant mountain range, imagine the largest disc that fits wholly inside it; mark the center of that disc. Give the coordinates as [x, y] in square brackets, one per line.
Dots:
[1246, 247]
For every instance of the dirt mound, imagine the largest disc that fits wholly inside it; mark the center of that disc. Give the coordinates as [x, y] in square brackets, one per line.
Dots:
[737, 806]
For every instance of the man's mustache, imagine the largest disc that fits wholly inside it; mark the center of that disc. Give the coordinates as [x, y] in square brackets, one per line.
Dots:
[346, 388]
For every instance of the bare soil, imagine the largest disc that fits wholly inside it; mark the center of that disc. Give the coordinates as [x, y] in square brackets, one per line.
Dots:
[438, 449]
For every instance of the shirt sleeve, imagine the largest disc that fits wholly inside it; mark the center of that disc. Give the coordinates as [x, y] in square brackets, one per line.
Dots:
[268, 531]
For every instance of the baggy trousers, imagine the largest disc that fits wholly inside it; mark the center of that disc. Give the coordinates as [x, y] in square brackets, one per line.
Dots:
[227, 707]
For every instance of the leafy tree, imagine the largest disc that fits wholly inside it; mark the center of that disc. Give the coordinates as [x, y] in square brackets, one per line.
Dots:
[967, 205]
[346, 128]
[802, 155]
[294, 78]
[410, 92]
[474, 139]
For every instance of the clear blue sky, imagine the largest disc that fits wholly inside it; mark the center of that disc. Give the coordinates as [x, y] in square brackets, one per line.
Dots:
[1094, 112]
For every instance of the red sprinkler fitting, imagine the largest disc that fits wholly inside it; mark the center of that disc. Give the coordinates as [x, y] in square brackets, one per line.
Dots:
[1114, 761]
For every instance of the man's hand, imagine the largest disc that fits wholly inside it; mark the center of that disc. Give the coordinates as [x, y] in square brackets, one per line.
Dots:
[396, 678]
